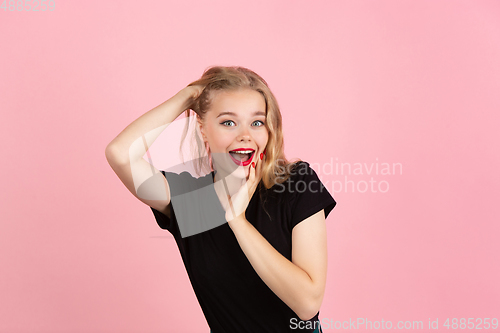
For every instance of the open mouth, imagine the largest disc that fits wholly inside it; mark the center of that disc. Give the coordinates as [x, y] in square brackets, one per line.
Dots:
[242, 157]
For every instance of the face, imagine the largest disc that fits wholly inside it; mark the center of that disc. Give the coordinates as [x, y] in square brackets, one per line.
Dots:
[235, 121]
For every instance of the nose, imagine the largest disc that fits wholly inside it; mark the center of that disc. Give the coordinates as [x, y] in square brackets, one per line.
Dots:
[244, 135]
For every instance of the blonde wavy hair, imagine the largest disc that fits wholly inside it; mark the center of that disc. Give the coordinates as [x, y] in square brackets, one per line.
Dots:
[276, 168]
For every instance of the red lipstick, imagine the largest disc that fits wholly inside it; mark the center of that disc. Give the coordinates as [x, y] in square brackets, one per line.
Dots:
[247, 162]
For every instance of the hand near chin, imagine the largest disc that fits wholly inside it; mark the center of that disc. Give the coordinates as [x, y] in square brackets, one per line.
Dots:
[238, 203]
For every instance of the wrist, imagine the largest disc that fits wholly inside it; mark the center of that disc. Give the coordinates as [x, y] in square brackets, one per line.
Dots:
[185, 97]
[238, 221]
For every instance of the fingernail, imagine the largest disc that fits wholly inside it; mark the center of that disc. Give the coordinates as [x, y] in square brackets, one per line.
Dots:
[253, 164]
[261, 155]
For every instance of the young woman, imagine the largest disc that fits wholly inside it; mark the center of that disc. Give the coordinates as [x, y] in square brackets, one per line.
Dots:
[251, 232]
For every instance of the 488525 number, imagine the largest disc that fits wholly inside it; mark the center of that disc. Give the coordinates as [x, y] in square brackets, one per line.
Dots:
[28, 5]
[471, 323]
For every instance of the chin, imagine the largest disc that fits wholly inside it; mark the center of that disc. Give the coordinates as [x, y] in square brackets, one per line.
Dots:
[228, 167]
[242, 172]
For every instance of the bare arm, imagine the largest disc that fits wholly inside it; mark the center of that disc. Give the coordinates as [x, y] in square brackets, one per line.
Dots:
[299, 283]
[124, 148]
[124, 153]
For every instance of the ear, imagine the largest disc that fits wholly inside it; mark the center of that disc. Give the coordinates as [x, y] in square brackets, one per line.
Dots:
[202, 130]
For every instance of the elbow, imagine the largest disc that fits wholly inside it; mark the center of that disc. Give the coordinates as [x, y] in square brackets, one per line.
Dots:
[307, 314]
[108, 152]
[311, 305]
[309, 309]
[112, 155]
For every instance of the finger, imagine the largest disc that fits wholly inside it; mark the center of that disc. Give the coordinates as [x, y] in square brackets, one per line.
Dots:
[258, 167]
[230, 202]
[251, 173]
[261, 165]
[231, 207]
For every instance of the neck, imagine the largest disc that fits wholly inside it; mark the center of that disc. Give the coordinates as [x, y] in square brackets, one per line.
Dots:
[228, 182]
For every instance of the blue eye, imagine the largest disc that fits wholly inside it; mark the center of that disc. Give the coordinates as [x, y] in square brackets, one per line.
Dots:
[227, 121]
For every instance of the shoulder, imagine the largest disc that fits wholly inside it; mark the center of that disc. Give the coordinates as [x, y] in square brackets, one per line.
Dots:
[307, 194]
[300, 167]
[299, 178]
[185, 182]
[301, 171]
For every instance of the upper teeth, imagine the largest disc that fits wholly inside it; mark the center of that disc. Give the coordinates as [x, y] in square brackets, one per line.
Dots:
[243, 151]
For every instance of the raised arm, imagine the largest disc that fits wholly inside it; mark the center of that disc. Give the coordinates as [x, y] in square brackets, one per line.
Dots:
[125, 152]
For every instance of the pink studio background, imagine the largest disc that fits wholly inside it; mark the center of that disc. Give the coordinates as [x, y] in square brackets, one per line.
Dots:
[408, 82]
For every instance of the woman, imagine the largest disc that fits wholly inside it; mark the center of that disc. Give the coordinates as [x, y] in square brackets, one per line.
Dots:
[265, 269]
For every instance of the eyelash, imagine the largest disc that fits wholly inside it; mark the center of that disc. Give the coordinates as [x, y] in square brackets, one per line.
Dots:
[226, 121]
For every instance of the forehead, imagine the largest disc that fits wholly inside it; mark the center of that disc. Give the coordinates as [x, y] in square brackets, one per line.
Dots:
[241, 101]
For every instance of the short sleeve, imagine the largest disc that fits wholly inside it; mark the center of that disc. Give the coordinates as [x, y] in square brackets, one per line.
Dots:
[195, 207]
[164, 222]
[308, 195]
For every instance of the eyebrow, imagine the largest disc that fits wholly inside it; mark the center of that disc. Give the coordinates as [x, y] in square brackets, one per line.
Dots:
[256, 113]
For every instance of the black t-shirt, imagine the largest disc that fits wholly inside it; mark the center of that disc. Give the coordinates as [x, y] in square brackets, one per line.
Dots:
[231, 294]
